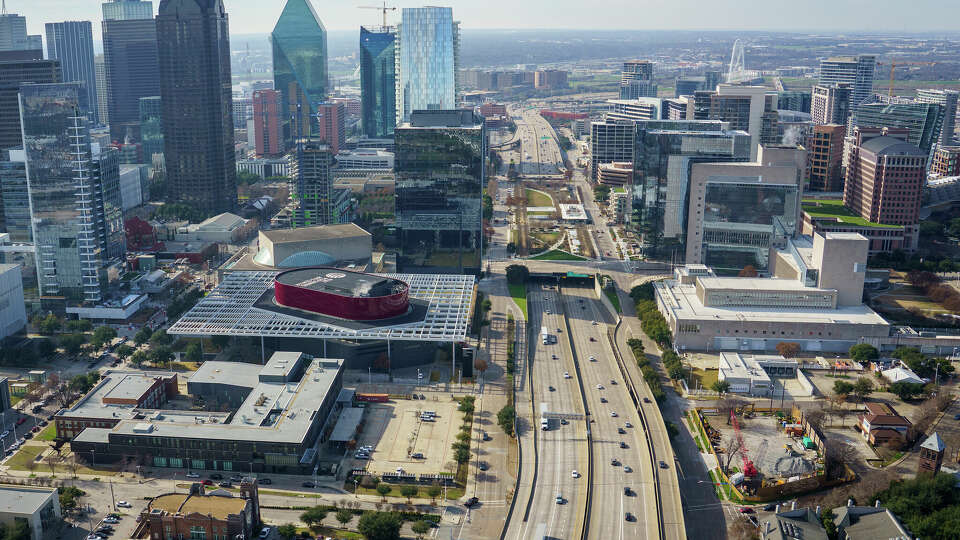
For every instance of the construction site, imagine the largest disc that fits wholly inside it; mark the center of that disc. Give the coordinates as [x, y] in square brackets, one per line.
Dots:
[765, 448]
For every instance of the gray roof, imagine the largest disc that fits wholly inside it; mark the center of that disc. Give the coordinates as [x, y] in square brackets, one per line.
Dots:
[934, 442]
[117, 384]
[347, 424]
[891, 145]
[320, 232]
[799, 524]
[232, 373]
[868, 523]
[24, 500]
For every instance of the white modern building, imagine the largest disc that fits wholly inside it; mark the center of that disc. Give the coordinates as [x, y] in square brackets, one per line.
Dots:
[364, 159]
[39, 506]
[13, 315]
[224, 228]
[744, 375]
[427, 58]
[813, 298]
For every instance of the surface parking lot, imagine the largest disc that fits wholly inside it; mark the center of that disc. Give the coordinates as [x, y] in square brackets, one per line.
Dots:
[395, 431]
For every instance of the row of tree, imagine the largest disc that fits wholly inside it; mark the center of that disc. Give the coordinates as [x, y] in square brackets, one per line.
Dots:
[650, 375]
[935, 289]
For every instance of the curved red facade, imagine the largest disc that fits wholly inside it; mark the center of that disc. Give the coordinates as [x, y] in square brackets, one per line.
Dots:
[342, 294]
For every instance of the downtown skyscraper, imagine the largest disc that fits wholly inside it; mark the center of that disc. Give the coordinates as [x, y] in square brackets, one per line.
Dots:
[857, 71]
[428, 56]
[13, 34]
[299, 42]
[130, 60]
[197, 103]
[71, 42]
[378, 77]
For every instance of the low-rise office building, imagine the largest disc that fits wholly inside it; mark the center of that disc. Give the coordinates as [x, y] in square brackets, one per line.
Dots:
[276, 427]
[38, 506]
[813, 299]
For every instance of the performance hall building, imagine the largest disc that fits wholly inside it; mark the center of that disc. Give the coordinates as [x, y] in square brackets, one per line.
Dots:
[379, 321]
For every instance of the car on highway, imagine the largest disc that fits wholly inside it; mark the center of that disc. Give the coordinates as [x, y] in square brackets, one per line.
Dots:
[593, 339]
[559, 498]
[599, 387]
[626, 468]
[663, 464]
[483, 466]
[566, 375]
[613, 381]
[628, 516]
[551, 388]
[307, 484]
[628, 424]
[553, 357]
[563, 421]
[646, 400]
[623, 444]
[471, 502]
[603, 399]
[593, 358]
[575, 474]
[627, 491]
[614, 461]
[594, 323]
[613, 414]
[621, 431]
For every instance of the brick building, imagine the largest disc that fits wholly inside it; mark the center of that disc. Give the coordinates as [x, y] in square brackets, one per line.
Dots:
[881, 424]
[113, 399]
[214, 515]
[825, 157]
[266, 123]
[331, 118]
[946, 162]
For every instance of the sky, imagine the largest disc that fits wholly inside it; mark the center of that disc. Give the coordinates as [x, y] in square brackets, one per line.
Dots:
[258, 16]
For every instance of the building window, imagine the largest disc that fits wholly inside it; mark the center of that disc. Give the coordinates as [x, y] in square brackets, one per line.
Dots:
[197, 533]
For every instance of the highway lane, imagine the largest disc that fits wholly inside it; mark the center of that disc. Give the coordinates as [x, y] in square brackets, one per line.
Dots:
[562, 449]
[610, 504]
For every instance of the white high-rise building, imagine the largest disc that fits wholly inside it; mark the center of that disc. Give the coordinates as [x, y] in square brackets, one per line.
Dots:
[427, 58]
[857, 71]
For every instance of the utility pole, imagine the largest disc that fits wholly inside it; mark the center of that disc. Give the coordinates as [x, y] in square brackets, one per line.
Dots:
[113, 499]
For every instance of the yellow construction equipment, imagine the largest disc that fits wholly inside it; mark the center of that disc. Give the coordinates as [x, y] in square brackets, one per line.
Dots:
[384, 8]
[893, 67]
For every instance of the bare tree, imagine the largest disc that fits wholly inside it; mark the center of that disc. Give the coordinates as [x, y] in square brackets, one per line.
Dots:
[741, 529]
[730, 451]
[924, 417]
[31, 466]
[729, 404]
[838, 454]
[72, 465]
[52, 460]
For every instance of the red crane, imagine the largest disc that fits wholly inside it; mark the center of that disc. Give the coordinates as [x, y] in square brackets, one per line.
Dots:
[749, 470]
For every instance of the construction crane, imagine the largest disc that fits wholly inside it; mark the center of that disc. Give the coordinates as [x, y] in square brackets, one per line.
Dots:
[893, 68]
[384, 8]
[749, 470]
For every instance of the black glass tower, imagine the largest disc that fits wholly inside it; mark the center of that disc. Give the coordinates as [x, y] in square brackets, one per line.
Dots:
[299, 43]
[130, 64]
[440, 173]
[197, 104]
[378, 97]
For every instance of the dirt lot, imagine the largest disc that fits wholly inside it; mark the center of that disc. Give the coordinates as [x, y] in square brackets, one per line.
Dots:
[394, 430]
[766, 447]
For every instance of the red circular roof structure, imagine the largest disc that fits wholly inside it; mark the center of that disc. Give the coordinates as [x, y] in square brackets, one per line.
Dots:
[341, 293]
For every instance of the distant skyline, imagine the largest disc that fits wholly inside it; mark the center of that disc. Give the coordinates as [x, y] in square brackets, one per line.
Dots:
[259, 16]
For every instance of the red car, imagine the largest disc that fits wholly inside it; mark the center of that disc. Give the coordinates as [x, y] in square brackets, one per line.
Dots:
[746, 510]
[206, 482]
[22, 420]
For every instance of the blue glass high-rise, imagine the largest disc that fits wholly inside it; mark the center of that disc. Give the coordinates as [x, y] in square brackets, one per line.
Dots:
[427, 61]
[299, 43]
[378, 93]
[71, 42]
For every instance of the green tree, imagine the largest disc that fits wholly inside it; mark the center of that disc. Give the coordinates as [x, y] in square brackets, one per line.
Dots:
[642, 292]
[930, 228]
[434, 491]
[380, 525]
[160, 337]
[906, 390]
[18, 530]
[49, 324]
[864, 352]
[862, 388]
[139, 358]
[420, 528]
[344, 516]
[79, 325]
[287, 530]
[314, 517]
[720, 387]
[161, 355]
[143, 335]
[466, 406]
[384, 490]
[461, 455]
[194, 352]
[102, 335]
[246, 177]
[505, 418]
[72, 343]
[677, 372]
[517, 274]
[842, 388]
[409, 492]
[124, 351]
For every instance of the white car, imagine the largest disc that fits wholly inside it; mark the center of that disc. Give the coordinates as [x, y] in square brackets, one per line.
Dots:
[613, 414]
[566, 375]
[594, 323]
[575, 474]
[626, 468]
[124, 504]
[599, 387]
[192, 475]
[593, 358]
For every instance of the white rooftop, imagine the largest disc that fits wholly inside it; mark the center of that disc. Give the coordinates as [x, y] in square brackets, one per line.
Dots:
[758, 284]
[733, 365]
[24, 500]
[902, 374]
[682, 300]
[573, 212]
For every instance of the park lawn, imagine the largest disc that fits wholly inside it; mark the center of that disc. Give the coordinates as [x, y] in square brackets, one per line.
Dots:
[547, 238]
[25, 455]
[557, 255]
[48, 433]
[453, 493]
[331, 532]
[538, 198]
[706, 377]
[519, 294]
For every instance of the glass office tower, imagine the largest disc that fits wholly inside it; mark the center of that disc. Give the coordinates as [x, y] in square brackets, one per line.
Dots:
[440, 172]
[16, 200]
[299, 43]
[130, 62]
[427, 60]
[924, 120]
[126, 10]
[664, 152]
[378, 98]
[71, 42]
[66, 192]
[151, 129]
[311, 184]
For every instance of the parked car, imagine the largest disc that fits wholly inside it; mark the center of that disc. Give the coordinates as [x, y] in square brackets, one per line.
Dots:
[124, 504]
[225, 484]
[471, 502]
[307, 484]
[770, 507]
[745, 510]
[192, 475]
[264, 532]
[216, 476]
[663, 464]
[628, 424]
[206, 482]
[483, 466]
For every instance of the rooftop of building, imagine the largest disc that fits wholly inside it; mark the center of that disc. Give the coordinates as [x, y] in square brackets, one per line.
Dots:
[572, 212]
[868, 523]
[225, 220]
[935, 443]
[318, 232]
[736, 366]
[23, 500]
[682, 300]
[883, 414]
[757, 284]
[341, 282]
[233, 373]
[799, 524]
[115, 384]
[215, 505]
[892, 146]
[458, 118]
[819, 208]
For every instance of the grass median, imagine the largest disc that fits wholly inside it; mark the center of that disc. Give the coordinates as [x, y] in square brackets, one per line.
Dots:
[519, 294]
